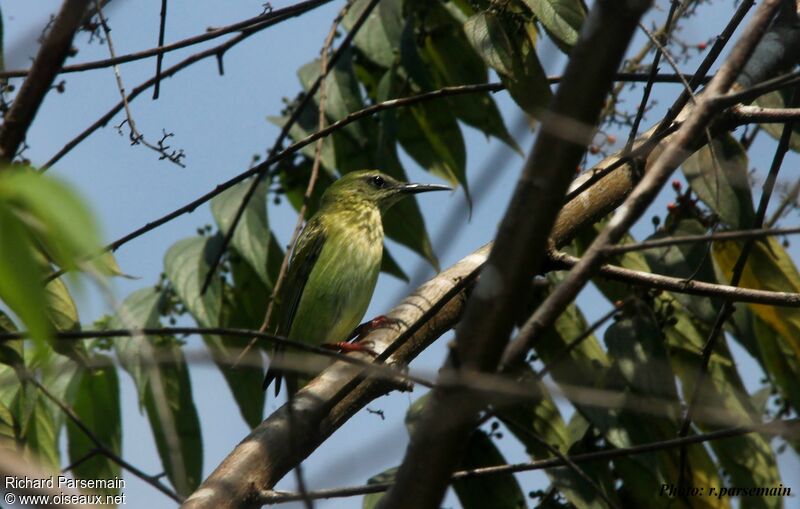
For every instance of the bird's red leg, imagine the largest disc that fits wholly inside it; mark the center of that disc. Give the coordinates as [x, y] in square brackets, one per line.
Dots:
[353, 343]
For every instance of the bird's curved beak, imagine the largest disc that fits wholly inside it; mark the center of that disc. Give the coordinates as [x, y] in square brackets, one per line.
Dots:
[421, 188]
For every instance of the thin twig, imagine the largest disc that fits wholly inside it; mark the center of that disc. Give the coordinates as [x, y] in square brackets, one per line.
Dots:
[688, 286]
[262, 20]
[100, 446]
[160, 57]
[736, 273]
[293, 118]
[136, 137]
[757, 233]
[787, 428]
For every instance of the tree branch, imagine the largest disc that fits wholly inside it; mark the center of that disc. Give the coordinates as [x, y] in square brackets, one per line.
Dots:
[439, 438]
[48, 61]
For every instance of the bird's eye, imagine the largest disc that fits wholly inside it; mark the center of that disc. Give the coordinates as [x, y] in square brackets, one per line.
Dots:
[377, 181]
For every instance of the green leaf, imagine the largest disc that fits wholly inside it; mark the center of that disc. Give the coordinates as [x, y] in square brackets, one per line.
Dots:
[252, 232]
[718, 174]
[535, 423]
[52, 210]
[39, 432]
[164, 388]
[139, 310]
[20, 277]
[342, 93]
[98, 406]
[186, 264]
[686, 261]
[63, 315]
[390, 266]
[562, 19]
[380, 33]
[173, 416]
[453, 61]
[430, 134]
[496, 491]
[510, 51]
[10, 351]
[371, 500]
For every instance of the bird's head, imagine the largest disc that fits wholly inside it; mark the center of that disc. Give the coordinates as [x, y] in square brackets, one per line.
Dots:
[373, 187]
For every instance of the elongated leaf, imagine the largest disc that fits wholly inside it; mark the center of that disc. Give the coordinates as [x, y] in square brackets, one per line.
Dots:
[371, 500]
[186, 264]
[98, 406]
[164, 388]
[430, 133]
[50, 208]
[497, 491]
[39, 432]
[769, 267]
[718, 174]
[251, 237]
[63, 315]
[380, 34]
[512, 54]
[173, 417]
[561, 18]
[20, 276]
[139, 310]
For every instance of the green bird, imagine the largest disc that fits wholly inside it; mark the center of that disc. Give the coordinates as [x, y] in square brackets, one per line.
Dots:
[335, 263]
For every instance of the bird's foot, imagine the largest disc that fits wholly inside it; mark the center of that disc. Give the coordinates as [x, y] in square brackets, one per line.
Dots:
[363, 330]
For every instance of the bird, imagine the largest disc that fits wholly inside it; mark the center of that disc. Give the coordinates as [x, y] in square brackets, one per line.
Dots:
[335, 263]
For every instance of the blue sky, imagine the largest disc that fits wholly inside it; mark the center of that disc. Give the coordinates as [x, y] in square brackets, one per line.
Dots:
[220, 122]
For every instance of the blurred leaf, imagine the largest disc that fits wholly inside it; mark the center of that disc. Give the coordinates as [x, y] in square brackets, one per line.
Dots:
[97, 403]
[511, 52]
[536, 423]
[380, 33]
[107, 265]
[779, 99]
[496, 491]
[139, 310]
[11, 350]
[63, 315]
[20, 276]
[718, 174]
[173, 416]
[252, 232]
[561, 18]
[686, 261]
[371, 500]
[39, 432]
[52, 210]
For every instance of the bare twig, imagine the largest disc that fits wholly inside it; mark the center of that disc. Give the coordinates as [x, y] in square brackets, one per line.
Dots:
[160, 57]
[262, 20]
[757, 233]
[100, 446]
[787, 428]
[135, 136]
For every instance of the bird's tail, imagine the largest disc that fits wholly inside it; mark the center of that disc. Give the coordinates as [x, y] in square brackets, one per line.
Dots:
[273, 373]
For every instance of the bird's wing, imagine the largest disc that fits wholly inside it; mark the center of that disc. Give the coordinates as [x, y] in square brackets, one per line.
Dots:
[306, 252]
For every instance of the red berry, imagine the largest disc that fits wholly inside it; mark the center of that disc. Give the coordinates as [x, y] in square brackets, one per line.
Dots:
[702, 46]
[593, 149]
[611, 139]
[671, 207]
[676, 185]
